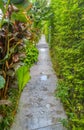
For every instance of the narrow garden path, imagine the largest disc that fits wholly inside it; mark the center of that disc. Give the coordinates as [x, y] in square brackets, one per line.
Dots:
[39, 109]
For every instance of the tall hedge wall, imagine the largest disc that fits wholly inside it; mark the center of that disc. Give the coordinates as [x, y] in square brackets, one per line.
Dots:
[67, 50]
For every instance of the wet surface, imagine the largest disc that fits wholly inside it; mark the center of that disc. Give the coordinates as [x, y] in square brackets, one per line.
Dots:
[39, 109]
[44, 77]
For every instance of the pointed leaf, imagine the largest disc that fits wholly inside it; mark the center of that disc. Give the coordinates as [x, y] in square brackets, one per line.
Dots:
[23, 76]
[19, 16]
[2, 82]
[2, 5]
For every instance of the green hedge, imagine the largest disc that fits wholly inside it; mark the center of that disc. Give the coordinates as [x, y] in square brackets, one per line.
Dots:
[67, 50]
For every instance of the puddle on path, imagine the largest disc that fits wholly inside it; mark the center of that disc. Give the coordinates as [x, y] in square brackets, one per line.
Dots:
[44, 77]
[42, 49]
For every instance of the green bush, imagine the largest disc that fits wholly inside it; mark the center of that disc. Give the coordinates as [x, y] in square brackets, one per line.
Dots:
[67, 50]
[31, 55]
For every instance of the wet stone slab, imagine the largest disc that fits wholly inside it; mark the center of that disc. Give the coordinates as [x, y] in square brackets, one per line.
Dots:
[39, 109]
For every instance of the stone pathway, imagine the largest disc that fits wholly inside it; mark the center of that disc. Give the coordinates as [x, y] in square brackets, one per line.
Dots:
[38, 108]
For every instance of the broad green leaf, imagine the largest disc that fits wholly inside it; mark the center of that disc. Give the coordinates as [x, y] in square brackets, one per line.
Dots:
[19, 17]
[23, 76]
[2, 82]
[14, 1]
[17, 1]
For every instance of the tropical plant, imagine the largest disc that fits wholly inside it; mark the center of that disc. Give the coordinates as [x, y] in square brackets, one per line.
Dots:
[20, 30]
[2, 82]
[15, 27]
[23, 76]
[32, 55]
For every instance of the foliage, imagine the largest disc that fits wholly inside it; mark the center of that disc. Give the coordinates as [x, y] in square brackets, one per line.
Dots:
[14, 1]
[67, 50]
[40, 10]
[17, 1]
[2, 82]
[2, 5]
[8, 111]
[23, 76]
[18, 23]
[14, 28]
[32, 55]
[40, 13]
[19, 16]
[11, 42]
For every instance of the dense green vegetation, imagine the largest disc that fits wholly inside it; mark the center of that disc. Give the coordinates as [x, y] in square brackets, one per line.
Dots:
[66, 28]
[17, 42]
[9, 109]
[20, 29]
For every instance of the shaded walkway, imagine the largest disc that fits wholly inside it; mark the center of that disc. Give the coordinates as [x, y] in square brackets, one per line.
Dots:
[38, 108]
